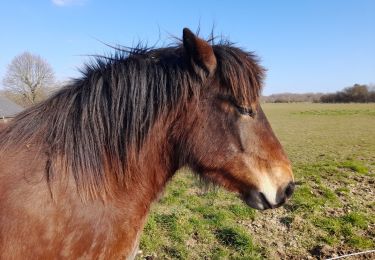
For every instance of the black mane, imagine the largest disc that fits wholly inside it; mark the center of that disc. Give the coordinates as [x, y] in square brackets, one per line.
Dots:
[111, 109]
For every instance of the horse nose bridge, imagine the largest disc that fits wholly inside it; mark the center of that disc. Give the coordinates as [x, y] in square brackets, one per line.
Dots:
[275, 156]
[279, 171]
[282, 173]
[271, 145]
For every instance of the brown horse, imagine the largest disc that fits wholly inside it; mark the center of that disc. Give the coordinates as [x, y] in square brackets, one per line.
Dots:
[79, 171]
[3, 124]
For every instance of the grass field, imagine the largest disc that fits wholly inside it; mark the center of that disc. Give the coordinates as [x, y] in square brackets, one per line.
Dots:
[332, 212]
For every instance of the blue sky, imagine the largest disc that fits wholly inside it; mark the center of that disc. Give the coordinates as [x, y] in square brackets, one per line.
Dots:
[306, 46]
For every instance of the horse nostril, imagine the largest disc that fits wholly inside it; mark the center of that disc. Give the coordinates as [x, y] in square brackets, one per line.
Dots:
[289, 189]
[266, 203]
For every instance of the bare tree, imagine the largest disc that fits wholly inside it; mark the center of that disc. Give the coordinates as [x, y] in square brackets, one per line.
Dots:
[28, 75]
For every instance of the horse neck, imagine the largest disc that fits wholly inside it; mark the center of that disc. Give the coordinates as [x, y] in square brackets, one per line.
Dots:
[155, 165]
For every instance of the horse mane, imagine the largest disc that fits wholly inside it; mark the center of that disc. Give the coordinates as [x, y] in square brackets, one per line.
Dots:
[97, 119]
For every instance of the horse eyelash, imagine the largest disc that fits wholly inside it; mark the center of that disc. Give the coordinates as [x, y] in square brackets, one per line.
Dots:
[245, 111]
[242, 110]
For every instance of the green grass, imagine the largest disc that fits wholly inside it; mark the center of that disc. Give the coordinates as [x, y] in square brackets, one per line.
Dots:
[242, 211]
[235, 238]
[338, 112]
[355, 166]
[345, 227]
[332, 150]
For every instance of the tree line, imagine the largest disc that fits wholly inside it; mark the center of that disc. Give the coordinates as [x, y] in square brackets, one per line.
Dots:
[29, 79]
[292, 97]
[357, 93]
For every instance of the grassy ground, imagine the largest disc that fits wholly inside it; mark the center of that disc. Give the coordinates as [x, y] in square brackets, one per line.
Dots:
[332, 149]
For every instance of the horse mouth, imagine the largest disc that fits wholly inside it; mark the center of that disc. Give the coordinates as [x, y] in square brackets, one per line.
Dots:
[258, 200]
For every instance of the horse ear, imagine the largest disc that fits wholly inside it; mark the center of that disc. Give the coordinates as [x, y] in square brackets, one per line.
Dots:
[199, 50]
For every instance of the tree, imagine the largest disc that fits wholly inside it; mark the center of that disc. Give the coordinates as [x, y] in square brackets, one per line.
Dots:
[357, 93]
[28, 76]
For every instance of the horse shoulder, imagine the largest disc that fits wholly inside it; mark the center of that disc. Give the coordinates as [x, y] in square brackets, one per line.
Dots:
[53, 221]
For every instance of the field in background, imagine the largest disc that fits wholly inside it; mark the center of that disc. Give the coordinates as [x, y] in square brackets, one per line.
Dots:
[332, 149]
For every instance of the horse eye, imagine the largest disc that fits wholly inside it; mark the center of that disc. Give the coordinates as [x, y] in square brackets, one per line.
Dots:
[246, 111]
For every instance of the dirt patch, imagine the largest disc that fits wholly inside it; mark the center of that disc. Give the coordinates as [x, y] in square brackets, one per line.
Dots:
[284, 236]
[325, 251]
[277, 234]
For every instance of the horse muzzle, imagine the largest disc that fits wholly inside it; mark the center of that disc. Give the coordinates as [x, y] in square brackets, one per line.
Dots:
[264, 200]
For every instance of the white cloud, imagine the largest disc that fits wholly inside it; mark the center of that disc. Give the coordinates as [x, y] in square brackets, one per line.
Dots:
[68, 2]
